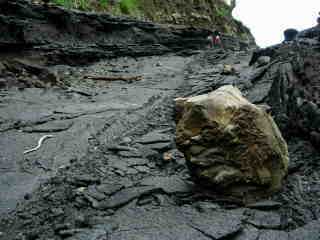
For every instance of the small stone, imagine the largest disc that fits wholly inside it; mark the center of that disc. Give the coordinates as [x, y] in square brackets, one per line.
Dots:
[228, 69]
[81, 190]
[167, 157]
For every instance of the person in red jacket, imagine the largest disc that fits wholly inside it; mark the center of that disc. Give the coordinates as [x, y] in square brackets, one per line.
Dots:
[214, 39]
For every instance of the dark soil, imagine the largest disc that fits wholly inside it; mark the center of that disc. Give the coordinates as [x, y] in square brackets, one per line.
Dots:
[112, 170]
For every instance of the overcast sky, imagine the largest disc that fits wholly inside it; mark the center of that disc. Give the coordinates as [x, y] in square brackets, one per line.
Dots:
[267, 19]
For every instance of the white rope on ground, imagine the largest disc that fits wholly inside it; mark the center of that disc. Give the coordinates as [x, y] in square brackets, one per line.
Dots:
[39, 144]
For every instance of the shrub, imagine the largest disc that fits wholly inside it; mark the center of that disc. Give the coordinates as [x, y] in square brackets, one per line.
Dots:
[128, 6]
[222, 11]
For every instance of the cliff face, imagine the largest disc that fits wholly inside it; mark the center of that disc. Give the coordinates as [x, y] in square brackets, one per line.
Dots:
[55, 34]
[211, 14]
[208, 14]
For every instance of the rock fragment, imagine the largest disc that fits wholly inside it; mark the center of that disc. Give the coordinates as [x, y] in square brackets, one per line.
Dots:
[231, 145]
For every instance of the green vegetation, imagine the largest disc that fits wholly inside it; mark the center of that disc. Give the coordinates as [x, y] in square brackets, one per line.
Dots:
[128, 6]
[78, 4]
[122, 7]
[222, 11]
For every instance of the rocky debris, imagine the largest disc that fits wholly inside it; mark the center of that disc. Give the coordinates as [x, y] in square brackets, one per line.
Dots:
[231, 145]
[53, 126]
[263, 60]
[228, 70]
[154, 137]
[223, 225]
[267, 52]
[248, 233]
[102, 191]
[156, 141]
[265, 205]
[53, 35]
[310, 231]
[179, 223]
[125, 196]
[290, 85]
[273, 235]
[264, 220]
[23, 74]
[83, 180]
[170, 185]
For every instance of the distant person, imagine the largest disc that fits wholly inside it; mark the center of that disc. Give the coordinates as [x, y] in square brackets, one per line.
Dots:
[290, 34]
[214, 39]
[217, 39]
[210, 41]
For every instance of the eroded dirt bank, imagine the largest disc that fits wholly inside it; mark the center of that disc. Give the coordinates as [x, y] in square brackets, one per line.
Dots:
[112, 171]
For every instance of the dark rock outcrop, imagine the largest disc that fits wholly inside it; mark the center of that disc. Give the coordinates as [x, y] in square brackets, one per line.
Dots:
[291, 85]
[290, 34]
[55, 35]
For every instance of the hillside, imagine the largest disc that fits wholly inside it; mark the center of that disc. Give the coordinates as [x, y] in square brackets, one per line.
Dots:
[209, 14]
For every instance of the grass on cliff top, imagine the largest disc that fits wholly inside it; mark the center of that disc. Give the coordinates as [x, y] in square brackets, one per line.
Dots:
[121, 7]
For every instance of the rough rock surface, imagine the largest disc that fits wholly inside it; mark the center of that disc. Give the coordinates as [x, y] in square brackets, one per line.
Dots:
[38, 36]
[210, 14]
[231, 144]
[114, 141]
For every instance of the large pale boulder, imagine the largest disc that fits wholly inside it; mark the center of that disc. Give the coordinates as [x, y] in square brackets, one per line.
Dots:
[231, 145]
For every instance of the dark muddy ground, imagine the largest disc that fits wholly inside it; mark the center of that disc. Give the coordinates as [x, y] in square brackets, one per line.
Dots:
[111, 169]
[104, 174]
